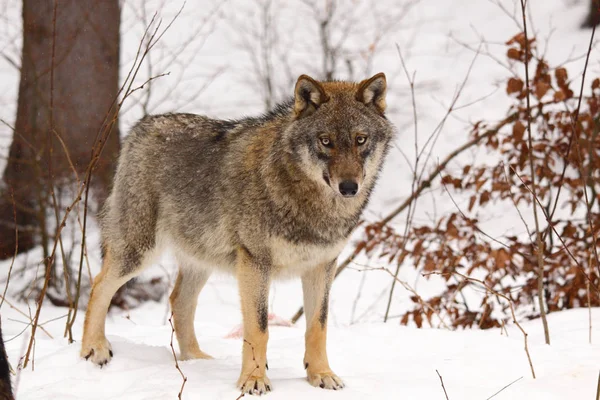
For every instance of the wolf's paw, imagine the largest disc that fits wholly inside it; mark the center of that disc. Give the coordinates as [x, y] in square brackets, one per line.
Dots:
[97, 351]
[194, 355]
[325, 380]
[258, 385]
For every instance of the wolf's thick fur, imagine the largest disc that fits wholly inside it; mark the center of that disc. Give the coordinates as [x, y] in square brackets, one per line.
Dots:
[260, 197]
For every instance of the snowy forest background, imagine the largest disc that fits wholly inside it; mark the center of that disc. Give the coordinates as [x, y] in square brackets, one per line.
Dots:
[451, 242]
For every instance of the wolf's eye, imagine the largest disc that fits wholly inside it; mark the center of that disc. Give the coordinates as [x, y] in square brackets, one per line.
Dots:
[361, 139]
[325, 141]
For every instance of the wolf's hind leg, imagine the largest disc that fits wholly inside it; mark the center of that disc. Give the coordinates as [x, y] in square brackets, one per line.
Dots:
[184, 299]
[95, 346]
[316, 284]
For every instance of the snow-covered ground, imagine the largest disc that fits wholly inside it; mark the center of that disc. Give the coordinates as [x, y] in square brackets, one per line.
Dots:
[376, 360]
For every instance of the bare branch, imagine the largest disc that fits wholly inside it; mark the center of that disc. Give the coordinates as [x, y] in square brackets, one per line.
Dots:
[183, 377]
[540, 243]
[442, 382]
[510, 303]
[505, 387]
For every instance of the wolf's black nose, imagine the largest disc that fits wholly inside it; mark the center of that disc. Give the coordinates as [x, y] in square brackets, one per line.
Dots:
[348, 188]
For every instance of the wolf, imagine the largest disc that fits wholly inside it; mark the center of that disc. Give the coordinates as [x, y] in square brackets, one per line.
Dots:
[262, 198]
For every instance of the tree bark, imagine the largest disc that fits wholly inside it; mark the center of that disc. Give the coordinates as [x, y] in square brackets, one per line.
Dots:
[593, 17]
[69, 80]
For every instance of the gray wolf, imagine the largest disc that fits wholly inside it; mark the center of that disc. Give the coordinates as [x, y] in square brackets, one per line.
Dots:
[262, 198]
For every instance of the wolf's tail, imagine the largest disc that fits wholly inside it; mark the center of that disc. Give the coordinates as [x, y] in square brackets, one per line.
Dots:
[5, 387]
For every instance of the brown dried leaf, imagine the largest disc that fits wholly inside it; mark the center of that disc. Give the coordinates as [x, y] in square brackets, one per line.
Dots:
[484, 197]
[479, 184]
[513, 54]
[472, 202]
[452, 230]
[502, 257]
[559, 96]
[430, 264]
[561, 76]
[569, 231]
[418, 319]
[518, 38]
[541, 88]
[518, 131]
[514, 85]
[568, 92]
[404, 319]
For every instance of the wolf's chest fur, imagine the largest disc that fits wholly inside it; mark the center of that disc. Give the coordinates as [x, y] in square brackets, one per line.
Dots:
[293, 259]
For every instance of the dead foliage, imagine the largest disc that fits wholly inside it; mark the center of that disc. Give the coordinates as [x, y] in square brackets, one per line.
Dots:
[565, 154]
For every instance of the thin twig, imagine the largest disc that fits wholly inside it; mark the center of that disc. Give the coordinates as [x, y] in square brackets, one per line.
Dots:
[512, 199]
[540, 244]
[104, 133]
[510, 384]
[442, 382]
[28, 324]
[406, 286]
[99, 143]
[19, 367]
[474, 226]
[589, 300]
[574, 121]
[510, 304]
[242, 394]
[414, 183]
[441, 166]
[25, 315]
[598, 389]
[579, 160]
[183, 377]
[49, 260]
[575, 260]
[50, 150]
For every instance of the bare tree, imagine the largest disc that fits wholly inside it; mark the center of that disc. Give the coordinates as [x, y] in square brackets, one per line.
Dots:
[350, 34]
[258, 37]
[334, 39]
[69, 79]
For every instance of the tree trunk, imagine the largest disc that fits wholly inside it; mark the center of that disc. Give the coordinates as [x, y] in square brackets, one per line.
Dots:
[69, 79]
[593, 17]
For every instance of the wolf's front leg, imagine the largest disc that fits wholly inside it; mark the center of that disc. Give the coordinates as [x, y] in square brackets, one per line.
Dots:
[254, 281]
[316, 284]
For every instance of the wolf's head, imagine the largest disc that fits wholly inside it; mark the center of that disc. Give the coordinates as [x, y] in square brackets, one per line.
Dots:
[340, 134]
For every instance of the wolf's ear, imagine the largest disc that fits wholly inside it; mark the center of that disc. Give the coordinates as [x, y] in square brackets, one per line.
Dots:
[372, 92]
[308, 96]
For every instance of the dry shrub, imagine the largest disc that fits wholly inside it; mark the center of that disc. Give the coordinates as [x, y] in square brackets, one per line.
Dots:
[564, 149]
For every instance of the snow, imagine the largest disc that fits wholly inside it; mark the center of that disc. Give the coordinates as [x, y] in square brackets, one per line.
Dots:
[376, 360]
